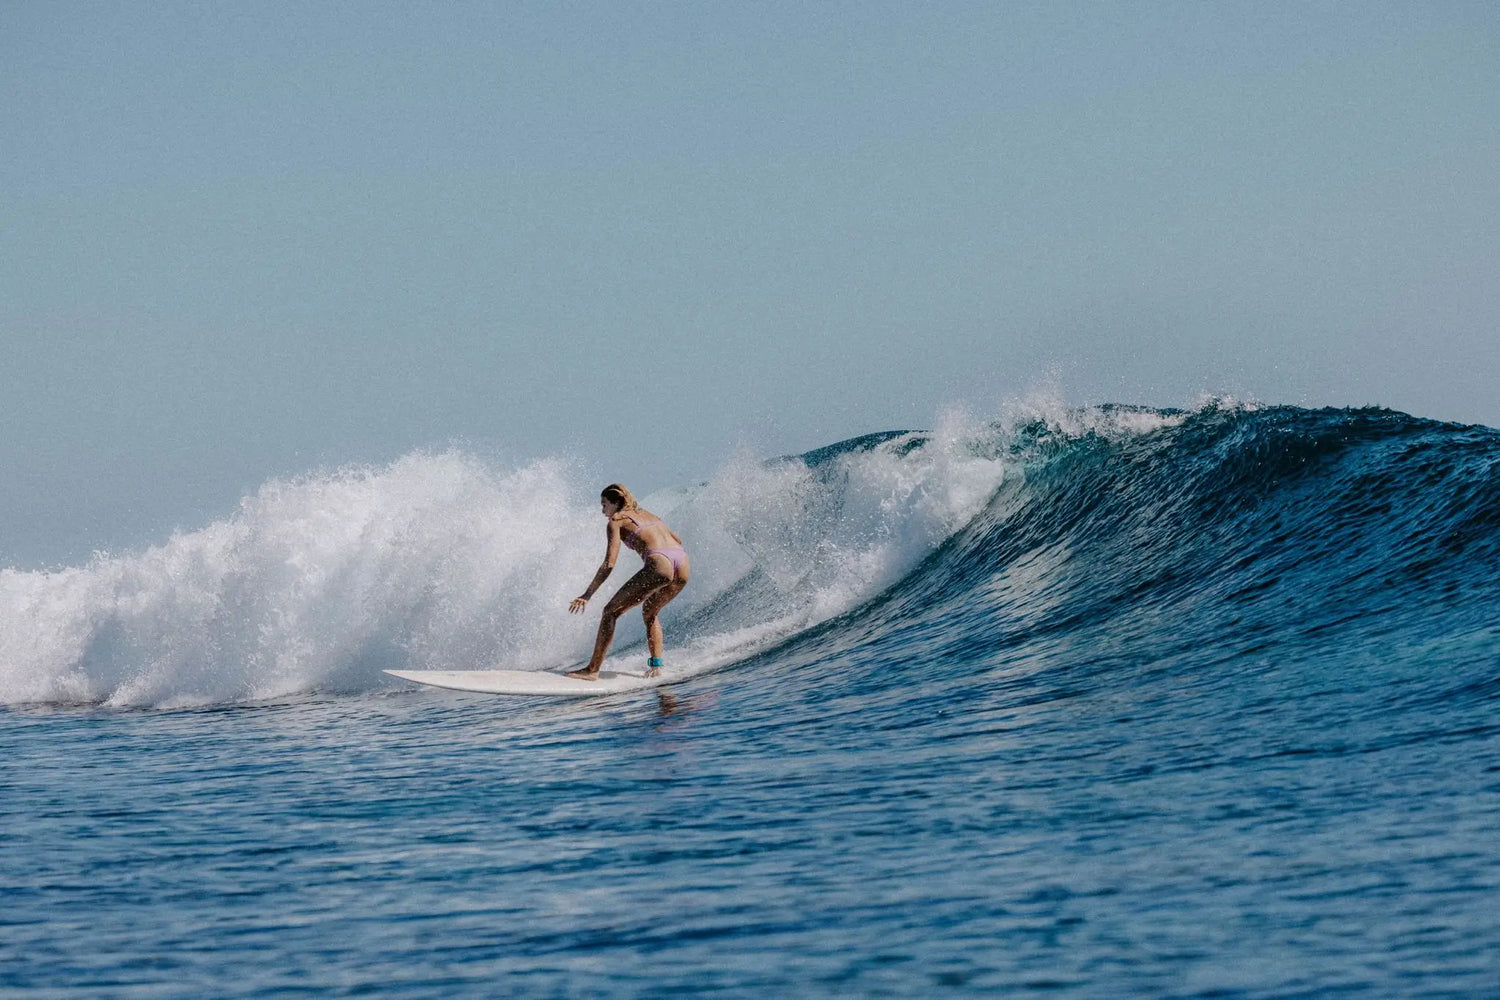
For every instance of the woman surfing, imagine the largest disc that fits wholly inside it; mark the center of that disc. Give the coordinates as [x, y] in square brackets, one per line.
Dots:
[662, 577]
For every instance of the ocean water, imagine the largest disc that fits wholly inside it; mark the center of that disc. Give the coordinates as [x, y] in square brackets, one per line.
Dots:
[1080, 703]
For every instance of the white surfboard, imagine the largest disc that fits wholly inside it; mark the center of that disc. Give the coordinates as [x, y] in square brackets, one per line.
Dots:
[533, 682]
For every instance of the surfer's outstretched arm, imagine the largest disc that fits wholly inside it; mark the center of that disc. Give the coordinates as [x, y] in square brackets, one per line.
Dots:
[611, 553]
[581, 601]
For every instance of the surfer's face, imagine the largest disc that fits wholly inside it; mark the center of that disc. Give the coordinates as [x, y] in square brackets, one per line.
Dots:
[609, 509]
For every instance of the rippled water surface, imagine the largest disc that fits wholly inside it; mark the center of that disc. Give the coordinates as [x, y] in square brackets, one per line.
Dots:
[757, 830]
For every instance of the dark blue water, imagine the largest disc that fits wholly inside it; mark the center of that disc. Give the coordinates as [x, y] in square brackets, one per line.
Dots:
[1207, 704]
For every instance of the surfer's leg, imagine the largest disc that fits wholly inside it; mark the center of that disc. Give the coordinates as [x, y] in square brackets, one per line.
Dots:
[636, 590]
[650, 611]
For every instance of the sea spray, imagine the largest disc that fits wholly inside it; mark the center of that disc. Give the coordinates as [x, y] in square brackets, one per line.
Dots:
[313, 584]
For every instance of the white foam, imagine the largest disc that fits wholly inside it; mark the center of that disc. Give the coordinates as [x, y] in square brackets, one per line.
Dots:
[313, 583]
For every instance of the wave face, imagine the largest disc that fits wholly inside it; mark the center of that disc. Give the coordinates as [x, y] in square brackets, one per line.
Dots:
[1361, 538]
[1333, 547]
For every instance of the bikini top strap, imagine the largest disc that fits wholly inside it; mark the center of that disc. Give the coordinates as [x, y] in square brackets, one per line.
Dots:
[636, 525]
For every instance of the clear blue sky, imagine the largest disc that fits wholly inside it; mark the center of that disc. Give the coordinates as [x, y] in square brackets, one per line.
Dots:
[247, 240]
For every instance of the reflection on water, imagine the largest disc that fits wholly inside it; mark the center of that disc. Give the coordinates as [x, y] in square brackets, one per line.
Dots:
[670, 704]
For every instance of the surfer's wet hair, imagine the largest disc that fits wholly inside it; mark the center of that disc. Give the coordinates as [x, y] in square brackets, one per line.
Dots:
[617, 494]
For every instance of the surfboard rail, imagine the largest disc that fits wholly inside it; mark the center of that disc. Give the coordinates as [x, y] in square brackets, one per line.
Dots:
[533, 683]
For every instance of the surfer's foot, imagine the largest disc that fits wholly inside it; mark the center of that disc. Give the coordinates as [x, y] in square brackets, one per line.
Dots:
[653, 671]
[585, 674]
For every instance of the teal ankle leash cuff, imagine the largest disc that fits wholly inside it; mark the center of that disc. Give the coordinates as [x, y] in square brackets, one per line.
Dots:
[653, 663]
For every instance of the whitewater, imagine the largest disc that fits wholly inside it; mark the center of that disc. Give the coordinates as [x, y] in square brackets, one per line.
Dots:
[1099, 701]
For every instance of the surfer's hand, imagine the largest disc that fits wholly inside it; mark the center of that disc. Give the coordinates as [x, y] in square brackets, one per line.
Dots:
[579, 603]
